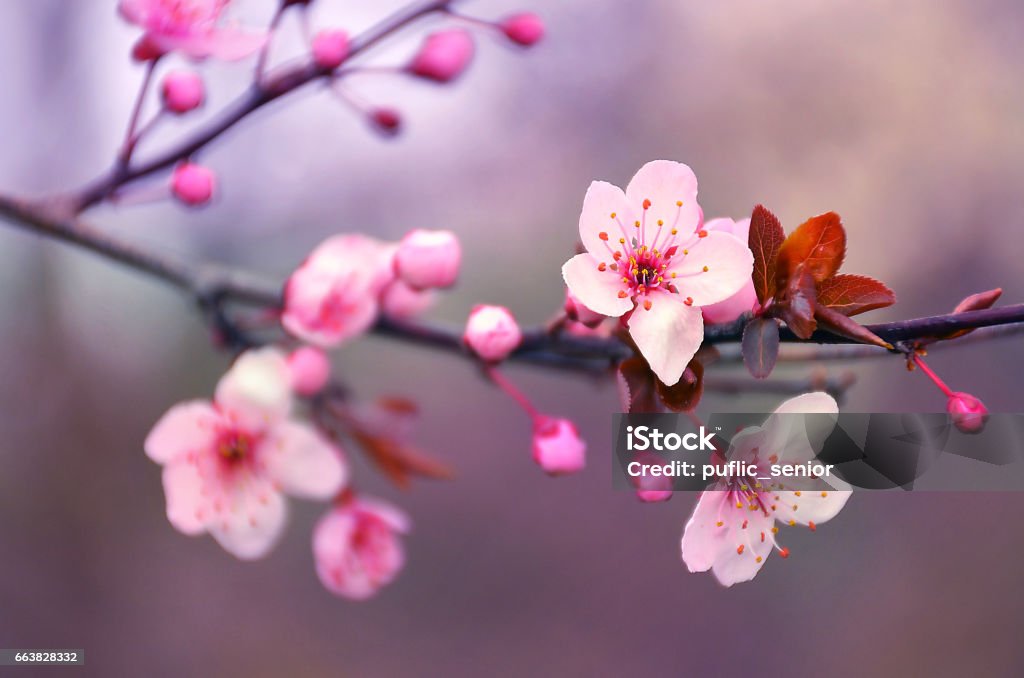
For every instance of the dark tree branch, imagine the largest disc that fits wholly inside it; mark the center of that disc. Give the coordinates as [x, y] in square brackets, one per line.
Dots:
[213, 286]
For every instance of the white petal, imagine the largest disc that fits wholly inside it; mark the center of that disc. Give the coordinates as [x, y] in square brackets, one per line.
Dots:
[733, 564]
[729, 262]
[303, 462]
[603, 200]
[257, 389]
[668, 334]
[598, 290]
[812, 505]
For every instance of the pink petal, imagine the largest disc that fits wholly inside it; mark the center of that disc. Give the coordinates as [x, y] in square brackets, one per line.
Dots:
[598, 290]
[601, 201]
[702, 538]
[729, 263]
[668, 334]
[186, 427]
[231, 44]
[256, 391]
[303, 462]
[665, 183]
[733, 542]
[187, 507]
[252, 521]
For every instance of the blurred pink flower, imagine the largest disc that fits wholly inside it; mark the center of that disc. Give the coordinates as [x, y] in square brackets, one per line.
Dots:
[333, 295]
[357, 548]
[492, 332]
[310, 369]
[182, 91]
[226, 464]
[444, 55]
[428, 259]
[190, 27]
[647, 261]
[732, 530]
[193, 184]
[524, 29]
[401, 302]
[968, 413]
[557, 446]
[330, 48]
[744, 300]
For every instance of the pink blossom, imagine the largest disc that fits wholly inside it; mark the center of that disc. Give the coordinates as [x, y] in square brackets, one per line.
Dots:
[557, 446]
[357, 548]
[227, 464]
[648, 262]
[401, 302]
[310, 370]
[193, 184]
[333, 295]
[732, 530]
[575, 309]
[182, 91]
[428, 259]
[492, 332]
[524, 29]
[743, 301]
[190, 27]
[968, 413]
[330, 48]
[443, 56]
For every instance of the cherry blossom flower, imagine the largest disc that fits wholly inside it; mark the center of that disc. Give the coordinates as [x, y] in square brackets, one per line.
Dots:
[732, 530]
[648, 262]
[228, 464]
[357, 548]
[743, 301]
[334, 295]
[191, 27]
[557, 446]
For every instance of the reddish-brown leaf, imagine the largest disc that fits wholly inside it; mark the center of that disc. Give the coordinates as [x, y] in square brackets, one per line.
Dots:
[837, 323]
[761, 346]
[796, 302]
[765, 239]
[684, 395]
[853, 294]
[398, 462]
[818, 244]
[636, 386]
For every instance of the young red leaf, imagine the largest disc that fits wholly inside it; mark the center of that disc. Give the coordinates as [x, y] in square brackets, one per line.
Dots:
[853, 294]
[979, 301]
[761, 346]
[636, 386]
[684, 395]
[837, 323]
[795, 303]
[819, 244]
[765, 239]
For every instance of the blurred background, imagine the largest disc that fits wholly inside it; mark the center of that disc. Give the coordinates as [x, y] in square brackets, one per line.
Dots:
[906, 118]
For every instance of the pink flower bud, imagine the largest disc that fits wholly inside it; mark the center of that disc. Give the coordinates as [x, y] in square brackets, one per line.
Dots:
[575, 309]
[310, 369]
[193, 184]
[652, 489]
[968, 413]
[330, 48]
[182, 91]
[386, 120]
[428, 259]
[523, 29]
[357, 548]
[401, 301]
[492, 332]
[557, 446]
[443, 56]
[146, 49]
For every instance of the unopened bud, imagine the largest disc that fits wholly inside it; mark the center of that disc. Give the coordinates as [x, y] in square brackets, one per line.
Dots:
[310, 369]
[443, 56]
[492, 332]
[182, 91]
[557, 446]
[523, 29]
[330, 48]
[968, 413]
[428, 259]
[193, 184]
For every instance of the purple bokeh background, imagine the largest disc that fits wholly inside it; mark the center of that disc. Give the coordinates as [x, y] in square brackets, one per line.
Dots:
[903, 117]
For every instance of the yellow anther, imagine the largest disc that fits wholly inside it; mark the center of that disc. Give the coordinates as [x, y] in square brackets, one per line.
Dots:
[679, 203]
[613, 215]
